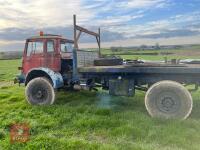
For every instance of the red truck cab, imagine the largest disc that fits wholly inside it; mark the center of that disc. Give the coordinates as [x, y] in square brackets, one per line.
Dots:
[46, 51]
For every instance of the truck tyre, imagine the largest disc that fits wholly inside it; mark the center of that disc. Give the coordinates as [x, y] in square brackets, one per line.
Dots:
[169, 100]
[39, 91]
[108, 61]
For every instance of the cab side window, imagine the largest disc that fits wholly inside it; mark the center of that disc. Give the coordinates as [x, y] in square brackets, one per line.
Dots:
[50, 46]
[29, 49]
[66, 47]
[35, 48]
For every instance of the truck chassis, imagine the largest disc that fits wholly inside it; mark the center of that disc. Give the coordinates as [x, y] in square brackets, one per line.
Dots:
[166, 96]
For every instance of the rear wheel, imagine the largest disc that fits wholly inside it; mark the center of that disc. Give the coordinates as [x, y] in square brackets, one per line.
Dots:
[168, 99]
[39, 91]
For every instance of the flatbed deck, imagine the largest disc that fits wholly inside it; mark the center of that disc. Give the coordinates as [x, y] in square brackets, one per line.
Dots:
[149, 68]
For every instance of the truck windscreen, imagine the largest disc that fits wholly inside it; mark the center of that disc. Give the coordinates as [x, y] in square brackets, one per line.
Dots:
[66, 47]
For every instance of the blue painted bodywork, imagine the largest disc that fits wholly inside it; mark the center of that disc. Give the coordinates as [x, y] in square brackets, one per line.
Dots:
[75, 70]
[20, 78]
[55, 77]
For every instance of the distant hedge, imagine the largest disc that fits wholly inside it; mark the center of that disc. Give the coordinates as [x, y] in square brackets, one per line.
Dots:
[11, 55]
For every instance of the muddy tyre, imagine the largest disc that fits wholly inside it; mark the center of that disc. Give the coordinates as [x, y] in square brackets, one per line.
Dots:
[108, 62]
[40, 91]
[169, 100]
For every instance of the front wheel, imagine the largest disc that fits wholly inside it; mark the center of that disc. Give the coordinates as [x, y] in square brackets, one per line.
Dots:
[39, 91]
[168, 99]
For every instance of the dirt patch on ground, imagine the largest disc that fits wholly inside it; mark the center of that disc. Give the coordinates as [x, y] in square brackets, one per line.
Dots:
[5, 84]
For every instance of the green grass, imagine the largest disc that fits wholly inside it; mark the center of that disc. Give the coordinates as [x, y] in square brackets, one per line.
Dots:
[91, 120]
[156, 57]
[9, 69]
[140, 54]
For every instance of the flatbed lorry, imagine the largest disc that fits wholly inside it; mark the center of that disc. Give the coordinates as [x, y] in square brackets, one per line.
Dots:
[52, 62]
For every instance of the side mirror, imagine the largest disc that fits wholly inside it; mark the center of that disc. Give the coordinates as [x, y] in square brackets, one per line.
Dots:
[65, 48]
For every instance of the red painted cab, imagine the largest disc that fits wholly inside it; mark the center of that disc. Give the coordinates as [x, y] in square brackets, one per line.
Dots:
[45, 51]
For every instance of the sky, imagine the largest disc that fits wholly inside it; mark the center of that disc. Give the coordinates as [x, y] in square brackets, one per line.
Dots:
[122, 22]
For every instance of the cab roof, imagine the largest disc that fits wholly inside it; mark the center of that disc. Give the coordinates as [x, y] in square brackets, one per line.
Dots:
[50, 36]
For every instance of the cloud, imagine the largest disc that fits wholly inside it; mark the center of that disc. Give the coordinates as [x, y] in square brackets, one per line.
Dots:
[112, 21]
[144, 3]
[18, 34]
[37, 13]
[52, 13]
[170, 34]
[7, 45]
[115, 12]
[119, 20]
[175, 26]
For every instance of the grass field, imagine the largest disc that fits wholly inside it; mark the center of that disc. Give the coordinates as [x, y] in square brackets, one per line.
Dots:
[91, 120]
[8, 69]
[193, 53]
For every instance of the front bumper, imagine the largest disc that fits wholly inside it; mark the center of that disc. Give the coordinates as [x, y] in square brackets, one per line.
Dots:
[19, 79]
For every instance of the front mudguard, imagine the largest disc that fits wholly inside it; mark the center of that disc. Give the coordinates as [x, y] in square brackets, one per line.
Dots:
[55, 77]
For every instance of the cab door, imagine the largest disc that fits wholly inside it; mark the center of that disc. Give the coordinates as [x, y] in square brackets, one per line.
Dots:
[53, 57]
[34, 55]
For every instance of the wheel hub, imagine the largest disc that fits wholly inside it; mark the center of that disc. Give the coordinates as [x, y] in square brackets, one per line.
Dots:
[39, 94]
[167, 104]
